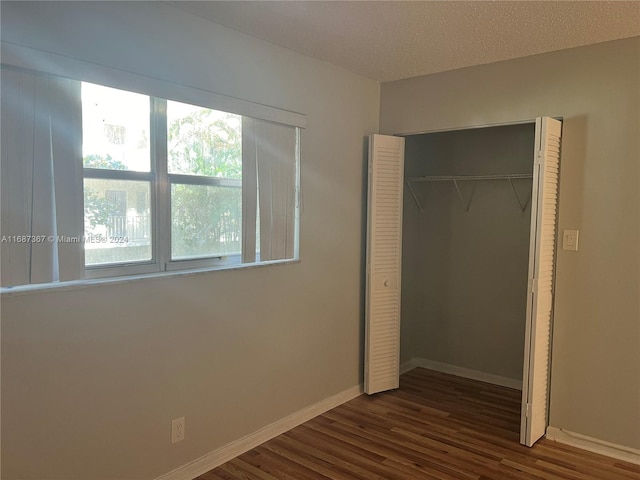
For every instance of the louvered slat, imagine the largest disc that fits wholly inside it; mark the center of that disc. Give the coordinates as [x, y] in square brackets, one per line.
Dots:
[384, 256]
[541, 268]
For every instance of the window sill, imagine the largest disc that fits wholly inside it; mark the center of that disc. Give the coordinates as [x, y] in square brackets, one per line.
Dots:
[79, 284]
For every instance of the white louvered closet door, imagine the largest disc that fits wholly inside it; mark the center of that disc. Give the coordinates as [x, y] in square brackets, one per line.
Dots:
[541, 280]
[384, 259]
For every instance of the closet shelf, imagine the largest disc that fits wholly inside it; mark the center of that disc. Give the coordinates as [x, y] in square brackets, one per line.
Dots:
[456, 178]
[437, 178]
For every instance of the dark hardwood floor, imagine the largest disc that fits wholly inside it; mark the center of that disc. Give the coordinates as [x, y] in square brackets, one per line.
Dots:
[436, 426]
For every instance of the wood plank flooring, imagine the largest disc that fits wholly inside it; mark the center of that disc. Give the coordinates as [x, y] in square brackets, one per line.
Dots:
[435, 426]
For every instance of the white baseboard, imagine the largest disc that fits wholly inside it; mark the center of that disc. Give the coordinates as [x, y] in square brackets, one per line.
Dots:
[594, 445]
[461, 372]
[409, 365]
[246, 443]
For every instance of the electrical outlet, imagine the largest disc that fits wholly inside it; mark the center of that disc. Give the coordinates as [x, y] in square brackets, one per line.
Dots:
[177, 430]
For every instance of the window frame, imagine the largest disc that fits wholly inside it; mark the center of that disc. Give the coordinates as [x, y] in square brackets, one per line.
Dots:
[160, 198]
[125, 268]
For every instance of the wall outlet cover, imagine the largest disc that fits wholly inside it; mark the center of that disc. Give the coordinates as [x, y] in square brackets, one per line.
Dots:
[177, 430]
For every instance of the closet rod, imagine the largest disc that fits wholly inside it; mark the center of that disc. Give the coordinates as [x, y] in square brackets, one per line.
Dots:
[439, 178]
[455, 178]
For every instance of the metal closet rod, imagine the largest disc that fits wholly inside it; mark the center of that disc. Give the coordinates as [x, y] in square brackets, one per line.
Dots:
[437, 178]
[456, 178]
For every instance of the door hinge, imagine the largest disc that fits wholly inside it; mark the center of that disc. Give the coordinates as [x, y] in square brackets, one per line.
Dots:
[528, 410]
[539, 157]
[532, 285]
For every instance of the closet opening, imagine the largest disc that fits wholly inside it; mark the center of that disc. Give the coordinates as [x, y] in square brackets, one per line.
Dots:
[465, 252]
[475, 230]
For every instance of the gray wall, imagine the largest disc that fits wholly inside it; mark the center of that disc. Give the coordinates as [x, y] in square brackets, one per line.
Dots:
[91, 377]
[595, 377]
[465, 273]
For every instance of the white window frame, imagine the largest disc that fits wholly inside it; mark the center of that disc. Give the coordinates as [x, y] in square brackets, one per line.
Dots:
[125, 268]
[160, 181]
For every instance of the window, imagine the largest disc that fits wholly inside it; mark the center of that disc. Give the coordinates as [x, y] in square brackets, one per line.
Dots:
[142, 185]
[205, 173]
[188, 160]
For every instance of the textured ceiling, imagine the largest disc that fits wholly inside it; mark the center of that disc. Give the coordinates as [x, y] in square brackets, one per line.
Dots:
[388, 41]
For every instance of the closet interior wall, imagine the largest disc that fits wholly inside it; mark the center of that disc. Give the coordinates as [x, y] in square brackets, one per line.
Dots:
[464, 274]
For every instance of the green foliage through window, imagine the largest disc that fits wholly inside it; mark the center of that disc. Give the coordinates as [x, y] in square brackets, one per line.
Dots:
[205, 220]
[99, 161]
[202, 143]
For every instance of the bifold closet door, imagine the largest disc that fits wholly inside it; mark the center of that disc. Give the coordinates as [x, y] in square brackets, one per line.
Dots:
[384, 260]
[544, 209]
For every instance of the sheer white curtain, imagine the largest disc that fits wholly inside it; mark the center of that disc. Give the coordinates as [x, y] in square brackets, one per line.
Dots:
[269, 169]
[41, 179]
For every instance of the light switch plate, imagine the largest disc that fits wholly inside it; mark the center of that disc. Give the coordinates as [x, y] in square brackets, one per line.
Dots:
[570, 240]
